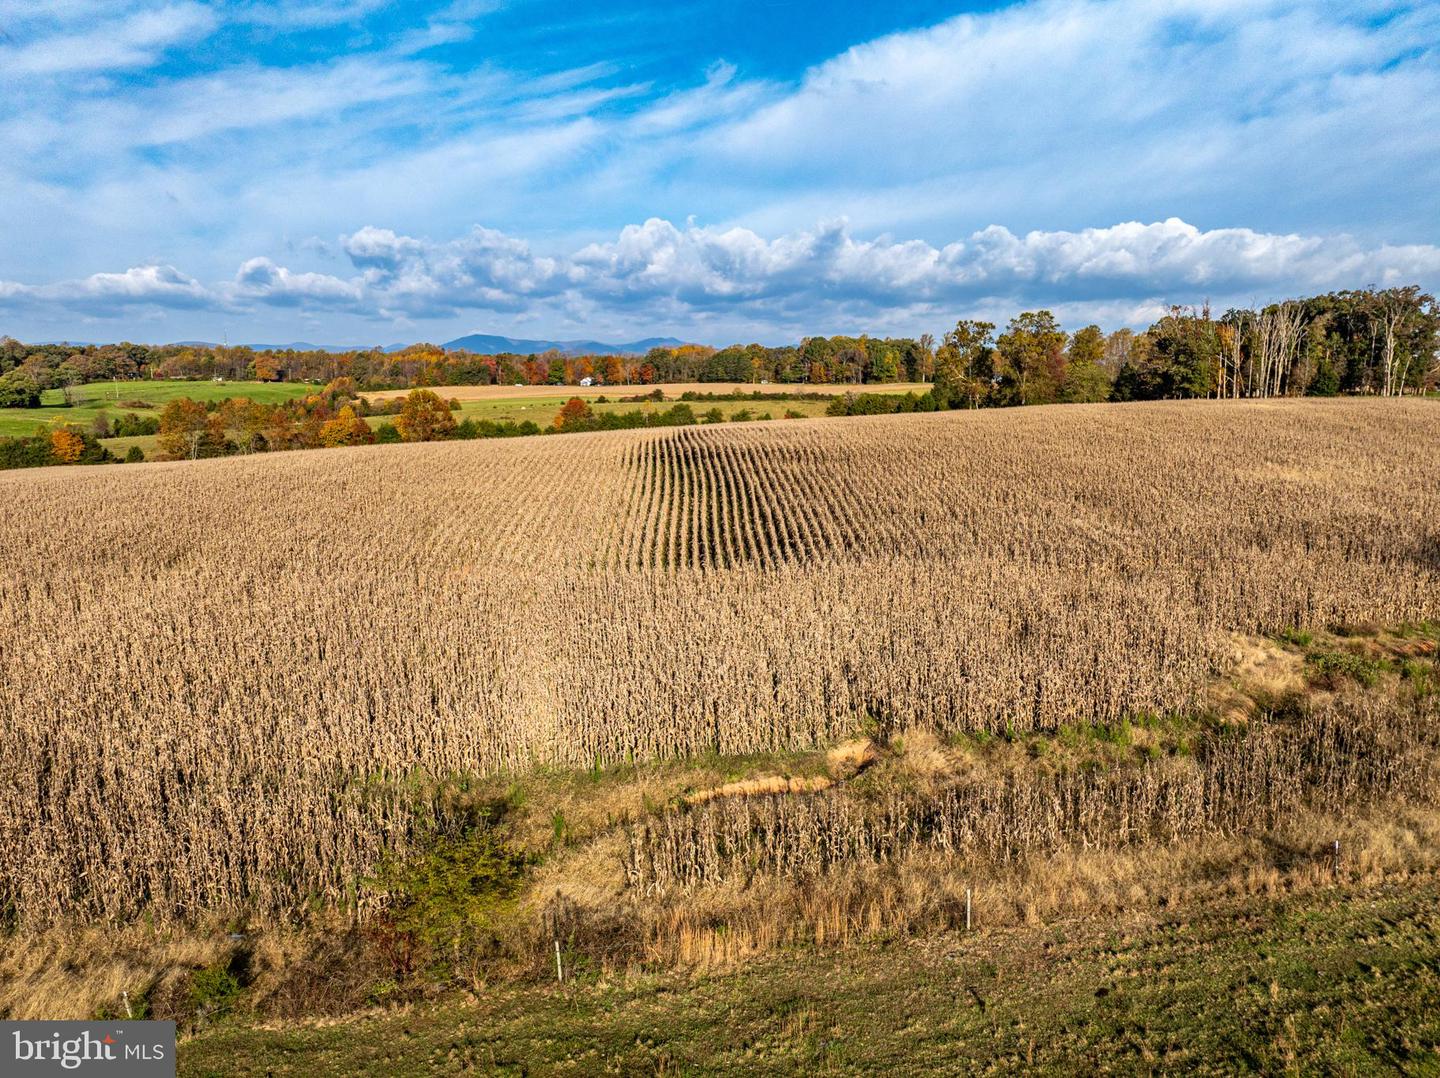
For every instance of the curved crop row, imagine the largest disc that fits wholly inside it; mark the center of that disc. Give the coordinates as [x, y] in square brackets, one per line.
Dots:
[213, 674]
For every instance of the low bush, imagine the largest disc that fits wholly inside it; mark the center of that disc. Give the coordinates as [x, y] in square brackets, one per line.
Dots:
[1331, 668]
[446, 903]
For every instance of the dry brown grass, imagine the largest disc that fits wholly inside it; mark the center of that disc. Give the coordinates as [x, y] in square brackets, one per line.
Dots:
[1255, 664]
[220, 682]
[771, 785]
[851, 757]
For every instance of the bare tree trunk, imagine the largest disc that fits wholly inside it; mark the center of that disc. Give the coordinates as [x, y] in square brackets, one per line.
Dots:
[1265, 346]
[1291, 322]
[1277, 339]
[1391, 314]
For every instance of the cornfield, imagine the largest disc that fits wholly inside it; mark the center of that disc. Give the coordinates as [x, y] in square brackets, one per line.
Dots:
[221, 682]
[1341, 756]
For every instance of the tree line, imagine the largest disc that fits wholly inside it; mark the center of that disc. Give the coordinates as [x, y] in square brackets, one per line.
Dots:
[1375, 342]
[1367, 341]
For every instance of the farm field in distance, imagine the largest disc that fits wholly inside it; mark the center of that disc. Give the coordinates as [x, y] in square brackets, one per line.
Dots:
[378, 735]
[142, 396]
[672, 390]
[540, 404]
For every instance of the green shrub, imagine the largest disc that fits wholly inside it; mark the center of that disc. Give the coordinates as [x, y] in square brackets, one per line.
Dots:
[131, 425]
[214, 991]
[1420, 676]
[19, 390]
[449, 900]
[25, 453]
[1118, 733]
[1330, 667]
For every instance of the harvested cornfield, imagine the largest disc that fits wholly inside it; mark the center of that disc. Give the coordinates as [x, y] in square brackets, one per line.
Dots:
[213, 675]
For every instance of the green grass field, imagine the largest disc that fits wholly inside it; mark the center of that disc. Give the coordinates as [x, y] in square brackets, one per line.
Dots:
[108, 397]
[97, 397]
[1329, 984]
[543, 410]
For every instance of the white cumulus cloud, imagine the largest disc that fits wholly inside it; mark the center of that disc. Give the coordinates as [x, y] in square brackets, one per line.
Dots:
[810, 280]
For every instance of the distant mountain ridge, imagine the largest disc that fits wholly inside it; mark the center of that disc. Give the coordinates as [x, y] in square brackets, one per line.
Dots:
[295, 346]
[481, 344]
[487, 344]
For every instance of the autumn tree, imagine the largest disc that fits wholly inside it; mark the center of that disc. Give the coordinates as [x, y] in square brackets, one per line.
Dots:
[573, 414]
[962, 365]
[1032, 356]
[265, 367]
[615, 370]
[189, 431]
[425, 417]
[346, 429]
[1085, 378]
[67, 446]
[247, 419]
[339, 389]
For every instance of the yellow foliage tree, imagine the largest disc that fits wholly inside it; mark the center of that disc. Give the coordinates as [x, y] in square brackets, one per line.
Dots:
[346, 429]
[67, 446]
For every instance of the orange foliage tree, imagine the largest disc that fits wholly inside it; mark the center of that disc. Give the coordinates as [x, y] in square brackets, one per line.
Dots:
[265, 368]
[67, 446]
[574, 413]
[615, 373]
[425, 417]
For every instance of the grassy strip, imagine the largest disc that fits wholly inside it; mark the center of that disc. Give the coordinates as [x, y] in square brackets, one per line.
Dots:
[1336, 983]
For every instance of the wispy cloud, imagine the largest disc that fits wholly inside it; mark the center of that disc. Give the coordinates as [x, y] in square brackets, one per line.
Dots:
[120, 43]
[1300, 139]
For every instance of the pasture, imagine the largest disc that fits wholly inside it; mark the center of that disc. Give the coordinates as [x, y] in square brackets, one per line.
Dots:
[672, 390]
[111, 398]
[543, 409]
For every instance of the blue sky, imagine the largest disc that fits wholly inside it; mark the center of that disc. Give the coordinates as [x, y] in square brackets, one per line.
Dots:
[274, 170]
